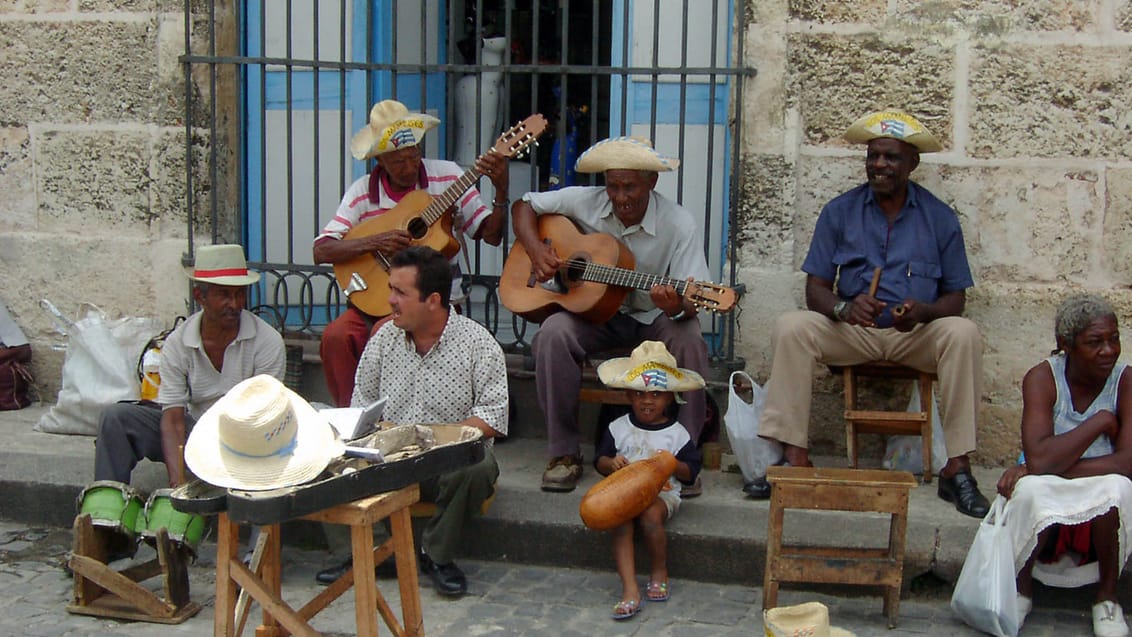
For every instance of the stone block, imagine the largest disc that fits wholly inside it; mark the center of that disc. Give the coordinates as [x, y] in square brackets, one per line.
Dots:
[1116, 255]
[95, 182]
[17, 180]
[34, 6]
[996, 17]
[1038, 224]
[1050, 101]
[764, 96]
[78, 71]
[835, 11]
[170, 207]
[836, 79]
[1122, 13]
[765, 211]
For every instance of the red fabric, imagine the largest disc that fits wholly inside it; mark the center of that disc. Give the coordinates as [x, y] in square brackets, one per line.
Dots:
[221, 272]
[1077, 538]
[341, 349]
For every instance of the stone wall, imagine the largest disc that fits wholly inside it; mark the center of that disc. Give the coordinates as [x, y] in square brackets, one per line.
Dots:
[1032, 100]
[92, 159]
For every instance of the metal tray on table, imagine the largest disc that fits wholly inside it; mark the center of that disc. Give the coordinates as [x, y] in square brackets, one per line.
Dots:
[279, 505]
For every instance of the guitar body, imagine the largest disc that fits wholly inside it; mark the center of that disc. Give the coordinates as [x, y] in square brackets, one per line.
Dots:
[374, 300]
[595, 302]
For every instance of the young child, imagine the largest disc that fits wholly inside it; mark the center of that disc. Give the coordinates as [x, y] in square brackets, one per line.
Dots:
[651, 379]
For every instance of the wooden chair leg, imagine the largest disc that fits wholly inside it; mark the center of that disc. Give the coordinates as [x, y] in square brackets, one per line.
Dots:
[773, 549]
[926, 399]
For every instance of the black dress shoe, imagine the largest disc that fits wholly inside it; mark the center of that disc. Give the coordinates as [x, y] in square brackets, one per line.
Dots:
[447, 579]
[330, 575]
[759, 489]
[386, 569]
[962, 490]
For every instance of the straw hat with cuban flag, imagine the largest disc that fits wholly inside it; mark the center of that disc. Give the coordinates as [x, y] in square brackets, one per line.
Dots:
[391, 127]
[895, 124]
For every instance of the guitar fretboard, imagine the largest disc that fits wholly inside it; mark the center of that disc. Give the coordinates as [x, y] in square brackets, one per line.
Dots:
[621, 277]
[432, 213]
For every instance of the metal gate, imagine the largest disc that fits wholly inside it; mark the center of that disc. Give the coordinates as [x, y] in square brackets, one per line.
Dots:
[306, 72]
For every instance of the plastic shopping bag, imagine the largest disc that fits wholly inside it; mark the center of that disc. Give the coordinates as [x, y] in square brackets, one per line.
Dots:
[754, 454]
[99, 368]
[985, 596]
[906, 453]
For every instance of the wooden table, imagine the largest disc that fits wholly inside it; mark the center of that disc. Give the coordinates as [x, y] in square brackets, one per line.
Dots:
[279, 619]
[838, 490]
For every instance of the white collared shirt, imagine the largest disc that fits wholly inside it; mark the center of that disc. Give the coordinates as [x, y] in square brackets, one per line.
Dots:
[664, 243]
[463, 375]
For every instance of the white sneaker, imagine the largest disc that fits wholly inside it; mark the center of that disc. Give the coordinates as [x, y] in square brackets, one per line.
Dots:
[1108, 620]
[1024, 606]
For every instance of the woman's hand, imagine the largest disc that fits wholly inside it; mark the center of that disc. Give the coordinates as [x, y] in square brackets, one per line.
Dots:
[1010, 477]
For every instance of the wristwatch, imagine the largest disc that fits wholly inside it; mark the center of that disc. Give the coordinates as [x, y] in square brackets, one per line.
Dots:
[840, 310]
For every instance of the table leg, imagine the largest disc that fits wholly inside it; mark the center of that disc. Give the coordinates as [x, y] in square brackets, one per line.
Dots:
[365, 583]
[271, 573]
[401, 525]
[773, 548]
[227, 542]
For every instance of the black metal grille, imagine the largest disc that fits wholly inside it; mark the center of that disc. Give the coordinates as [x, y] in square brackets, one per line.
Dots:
[590, 67]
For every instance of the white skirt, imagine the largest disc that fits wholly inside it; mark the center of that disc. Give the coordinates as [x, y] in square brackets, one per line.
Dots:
[1039, 501]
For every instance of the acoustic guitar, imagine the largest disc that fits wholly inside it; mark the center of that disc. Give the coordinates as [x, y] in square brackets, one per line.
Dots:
[365, 278]
[596, 275]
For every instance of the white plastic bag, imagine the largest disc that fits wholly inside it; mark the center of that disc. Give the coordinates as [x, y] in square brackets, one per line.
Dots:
[906, 453]
[985, 596]
[753, 454]
[99, 368]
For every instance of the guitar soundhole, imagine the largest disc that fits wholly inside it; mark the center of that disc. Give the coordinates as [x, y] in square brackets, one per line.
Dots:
[417, 227]
[575, 268]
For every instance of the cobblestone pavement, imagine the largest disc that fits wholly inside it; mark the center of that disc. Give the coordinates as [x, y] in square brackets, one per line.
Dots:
[504, 599]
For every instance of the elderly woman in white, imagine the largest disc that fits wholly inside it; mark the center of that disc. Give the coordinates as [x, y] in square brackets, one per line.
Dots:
[1070, 498]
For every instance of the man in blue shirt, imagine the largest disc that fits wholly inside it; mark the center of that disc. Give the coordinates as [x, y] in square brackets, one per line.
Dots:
[893, 224]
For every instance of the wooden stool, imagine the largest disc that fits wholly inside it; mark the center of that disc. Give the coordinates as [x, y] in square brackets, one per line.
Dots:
[888, 423]
[101, 591]
[280, 619]
[600, 394]
[838, 490]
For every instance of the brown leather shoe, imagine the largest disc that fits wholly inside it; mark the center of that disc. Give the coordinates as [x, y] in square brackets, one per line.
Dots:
[562, 474]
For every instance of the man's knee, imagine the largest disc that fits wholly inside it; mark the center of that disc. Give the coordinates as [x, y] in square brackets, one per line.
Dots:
[790, 326]
[960, 330]
[113, 418]
[337, 332]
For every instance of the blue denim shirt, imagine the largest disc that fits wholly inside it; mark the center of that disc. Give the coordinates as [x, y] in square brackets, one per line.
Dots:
[922, 252]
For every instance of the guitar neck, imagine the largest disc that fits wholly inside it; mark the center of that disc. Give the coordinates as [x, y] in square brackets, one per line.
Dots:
[620, 277]
[444, 200]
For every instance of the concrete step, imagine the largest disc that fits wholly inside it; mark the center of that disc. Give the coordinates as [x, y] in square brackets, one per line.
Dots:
[718, 537]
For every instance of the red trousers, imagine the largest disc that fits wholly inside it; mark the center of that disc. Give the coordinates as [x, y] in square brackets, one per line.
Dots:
[342, 343]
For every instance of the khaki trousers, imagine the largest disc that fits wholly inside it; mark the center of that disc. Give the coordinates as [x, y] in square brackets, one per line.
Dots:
[951, 347]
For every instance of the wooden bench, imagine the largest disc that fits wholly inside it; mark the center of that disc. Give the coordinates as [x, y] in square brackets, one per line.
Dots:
[826, 489]
[888, 423]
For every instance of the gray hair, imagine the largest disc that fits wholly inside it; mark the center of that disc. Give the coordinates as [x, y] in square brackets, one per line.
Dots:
[1076, 313]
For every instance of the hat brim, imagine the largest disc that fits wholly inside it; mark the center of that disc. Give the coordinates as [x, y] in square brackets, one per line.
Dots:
[619, 373]
[624, 153]
[246, 279]
[210, 461]
[369, 142]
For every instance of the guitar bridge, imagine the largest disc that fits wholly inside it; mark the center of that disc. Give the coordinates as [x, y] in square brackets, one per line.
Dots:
[357, 284]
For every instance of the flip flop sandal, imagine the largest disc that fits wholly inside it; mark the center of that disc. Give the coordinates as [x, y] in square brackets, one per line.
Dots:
[657, 591]
[625, 609]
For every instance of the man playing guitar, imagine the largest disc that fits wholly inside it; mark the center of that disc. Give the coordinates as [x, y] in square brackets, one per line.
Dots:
[662, 236]
[393, 136]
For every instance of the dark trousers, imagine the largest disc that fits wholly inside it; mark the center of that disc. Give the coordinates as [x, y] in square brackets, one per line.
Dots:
[128, 432]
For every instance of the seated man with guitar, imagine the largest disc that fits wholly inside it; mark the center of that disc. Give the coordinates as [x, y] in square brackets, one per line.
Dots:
[661, 236]
[388, 210]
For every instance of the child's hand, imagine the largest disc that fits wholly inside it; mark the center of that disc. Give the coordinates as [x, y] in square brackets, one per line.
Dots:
[619, 462]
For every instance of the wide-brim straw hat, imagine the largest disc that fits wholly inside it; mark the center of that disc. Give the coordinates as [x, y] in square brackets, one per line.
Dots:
[810, 619]
[391, 127]
[258, 436]
[650, 367]
[624, 153]
[895, 124]
[222, 264]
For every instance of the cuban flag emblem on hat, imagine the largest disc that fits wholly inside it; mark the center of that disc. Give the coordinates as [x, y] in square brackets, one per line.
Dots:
[892, 127]
[655, 378]
[403, 136]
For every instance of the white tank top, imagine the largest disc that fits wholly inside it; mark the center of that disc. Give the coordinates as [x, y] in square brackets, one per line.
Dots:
[1066, 419]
